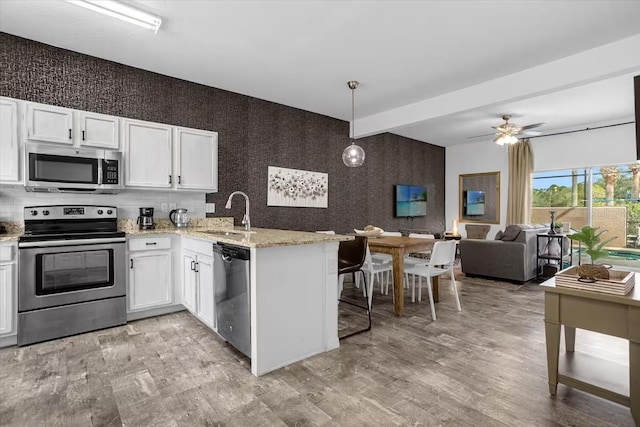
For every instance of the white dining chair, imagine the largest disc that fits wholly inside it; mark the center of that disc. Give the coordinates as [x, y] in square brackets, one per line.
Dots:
[424, 259]
[380, 257]
[374, 271]
[442, 261]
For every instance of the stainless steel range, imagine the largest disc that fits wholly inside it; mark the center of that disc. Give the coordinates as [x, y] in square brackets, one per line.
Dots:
[72, 272]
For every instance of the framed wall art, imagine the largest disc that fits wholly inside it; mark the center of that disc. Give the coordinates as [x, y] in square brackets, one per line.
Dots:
[297, 188]
[479, 198]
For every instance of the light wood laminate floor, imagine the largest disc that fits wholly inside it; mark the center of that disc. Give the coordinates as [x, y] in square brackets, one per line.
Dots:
[484, 366]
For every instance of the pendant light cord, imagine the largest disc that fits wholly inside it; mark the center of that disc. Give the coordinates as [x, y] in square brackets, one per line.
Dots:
[353, 116]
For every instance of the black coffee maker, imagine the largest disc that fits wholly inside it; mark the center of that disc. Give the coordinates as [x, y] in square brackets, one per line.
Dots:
[145, 220]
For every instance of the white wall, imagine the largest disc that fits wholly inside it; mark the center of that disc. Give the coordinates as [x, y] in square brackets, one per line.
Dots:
[474, 158]
[600, 147]
[14, 199]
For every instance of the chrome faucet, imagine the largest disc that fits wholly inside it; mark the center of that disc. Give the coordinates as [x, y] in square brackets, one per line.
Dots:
[245, 219]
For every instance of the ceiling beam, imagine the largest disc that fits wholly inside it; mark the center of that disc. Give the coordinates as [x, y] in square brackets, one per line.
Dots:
[607, 61]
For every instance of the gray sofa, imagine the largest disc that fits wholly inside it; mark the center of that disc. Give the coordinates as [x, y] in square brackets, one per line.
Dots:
[512, 256]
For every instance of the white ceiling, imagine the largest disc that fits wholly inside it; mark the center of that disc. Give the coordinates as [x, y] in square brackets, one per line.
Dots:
[436, 71]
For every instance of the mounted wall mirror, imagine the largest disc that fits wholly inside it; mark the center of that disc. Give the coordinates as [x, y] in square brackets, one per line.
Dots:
[479, 199]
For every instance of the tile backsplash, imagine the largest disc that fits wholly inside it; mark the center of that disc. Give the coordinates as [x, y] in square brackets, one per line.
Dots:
[14, 199]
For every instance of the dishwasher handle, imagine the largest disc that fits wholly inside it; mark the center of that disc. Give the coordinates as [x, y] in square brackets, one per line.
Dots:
[231, 252]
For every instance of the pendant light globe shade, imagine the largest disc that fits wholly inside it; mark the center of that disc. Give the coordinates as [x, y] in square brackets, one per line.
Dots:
[353, 156]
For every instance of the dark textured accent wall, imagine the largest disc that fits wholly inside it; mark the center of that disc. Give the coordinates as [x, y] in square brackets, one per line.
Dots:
[252, 133]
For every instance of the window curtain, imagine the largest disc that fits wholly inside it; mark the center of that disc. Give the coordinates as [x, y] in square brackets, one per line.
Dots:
[520, 175]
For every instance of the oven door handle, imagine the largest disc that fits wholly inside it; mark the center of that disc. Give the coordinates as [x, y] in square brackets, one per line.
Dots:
[77, 242]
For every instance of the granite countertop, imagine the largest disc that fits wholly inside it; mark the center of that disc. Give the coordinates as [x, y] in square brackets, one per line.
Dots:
[14, 230]
[9, 237]
[202, 228]
[257, 238]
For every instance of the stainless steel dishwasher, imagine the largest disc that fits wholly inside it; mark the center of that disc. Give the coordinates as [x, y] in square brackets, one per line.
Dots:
[232, 295]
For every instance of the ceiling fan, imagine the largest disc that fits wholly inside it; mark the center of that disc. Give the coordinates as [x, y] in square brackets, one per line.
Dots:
[506, 132]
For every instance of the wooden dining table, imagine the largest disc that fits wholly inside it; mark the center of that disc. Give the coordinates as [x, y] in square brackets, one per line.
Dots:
[398, 247]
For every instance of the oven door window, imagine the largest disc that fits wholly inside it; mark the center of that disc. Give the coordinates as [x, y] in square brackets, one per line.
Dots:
[73, 271]
[53, 168]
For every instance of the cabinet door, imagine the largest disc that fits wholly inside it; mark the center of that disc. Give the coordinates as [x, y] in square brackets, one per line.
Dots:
[98, 130]
[6, 299]
[196, 159]
[147, 154]
[189, 281]
[205, 290]
[49, 124]
[9, 160]
[149, 280]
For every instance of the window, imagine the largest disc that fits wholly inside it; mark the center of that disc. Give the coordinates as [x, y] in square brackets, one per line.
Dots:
[604, 197]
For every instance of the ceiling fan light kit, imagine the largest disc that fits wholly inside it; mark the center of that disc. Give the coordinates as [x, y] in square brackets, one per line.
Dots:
[507, 131]
[505, 139]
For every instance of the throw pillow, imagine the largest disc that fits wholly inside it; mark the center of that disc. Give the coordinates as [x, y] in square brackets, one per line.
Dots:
[498, 235]
[511, 232]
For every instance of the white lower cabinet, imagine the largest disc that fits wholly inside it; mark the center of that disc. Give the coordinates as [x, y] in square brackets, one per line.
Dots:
[150, 273]
[8, 294]
[189, 280]
[149, 280]
[197, 279]
[205, 290]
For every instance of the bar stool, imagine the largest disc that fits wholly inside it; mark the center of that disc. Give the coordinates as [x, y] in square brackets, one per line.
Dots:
[351, 258]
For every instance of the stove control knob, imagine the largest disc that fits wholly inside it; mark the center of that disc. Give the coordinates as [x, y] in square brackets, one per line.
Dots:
[100, 211]
[34, 212]
[45, 213]
[109, 212]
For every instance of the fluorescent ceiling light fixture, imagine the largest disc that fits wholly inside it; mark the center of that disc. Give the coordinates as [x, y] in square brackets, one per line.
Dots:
[121, 11]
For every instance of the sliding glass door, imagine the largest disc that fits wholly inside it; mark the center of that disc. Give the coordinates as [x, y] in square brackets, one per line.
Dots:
[604, 197]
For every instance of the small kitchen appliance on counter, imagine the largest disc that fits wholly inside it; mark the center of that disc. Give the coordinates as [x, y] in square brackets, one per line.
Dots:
[145, 220]
[179, 217]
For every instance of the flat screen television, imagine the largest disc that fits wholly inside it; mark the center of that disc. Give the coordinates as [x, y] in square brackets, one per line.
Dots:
[473, 203]
[411, 200]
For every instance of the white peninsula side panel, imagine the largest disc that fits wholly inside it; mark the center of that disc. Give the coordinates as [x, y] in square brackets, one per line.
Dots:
[294, 308]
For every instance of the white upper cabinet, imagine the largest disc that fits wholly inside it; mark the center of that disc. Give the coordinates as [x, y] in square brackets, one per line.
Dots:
[196, 166]
[9, 144]
[98, 130]
[46, 123]
[162, 156]
[147, 154]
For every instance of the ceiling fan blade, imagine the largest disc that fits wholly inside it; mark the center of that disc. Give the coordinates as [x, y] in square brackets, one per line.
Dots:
[535, 125]
[530, 133]
[481, 136]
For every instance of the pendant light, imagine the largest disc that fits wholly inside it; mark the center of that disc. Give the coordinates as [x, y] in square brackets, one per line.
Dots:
[353, 155]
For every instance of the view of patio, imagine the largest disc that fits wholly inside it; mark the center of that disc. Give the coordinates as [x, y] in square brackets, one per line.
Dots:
[615, 201]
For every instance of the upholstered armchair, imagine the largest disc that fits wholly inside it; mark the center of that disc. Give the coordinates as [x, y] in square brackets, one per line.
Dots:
[477, 231]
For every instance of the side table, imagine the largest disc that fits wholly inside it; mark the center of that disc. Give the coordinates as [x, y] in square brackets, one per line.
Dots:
[545, 258]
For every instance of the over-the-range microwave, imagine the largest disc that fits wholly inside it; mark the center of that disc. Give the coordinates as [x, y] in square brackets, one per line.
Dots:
[66, 169]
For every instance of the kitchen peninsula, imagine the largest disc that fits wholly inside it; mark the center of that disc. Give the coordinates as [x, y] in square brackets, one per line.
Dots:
[293, 285]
